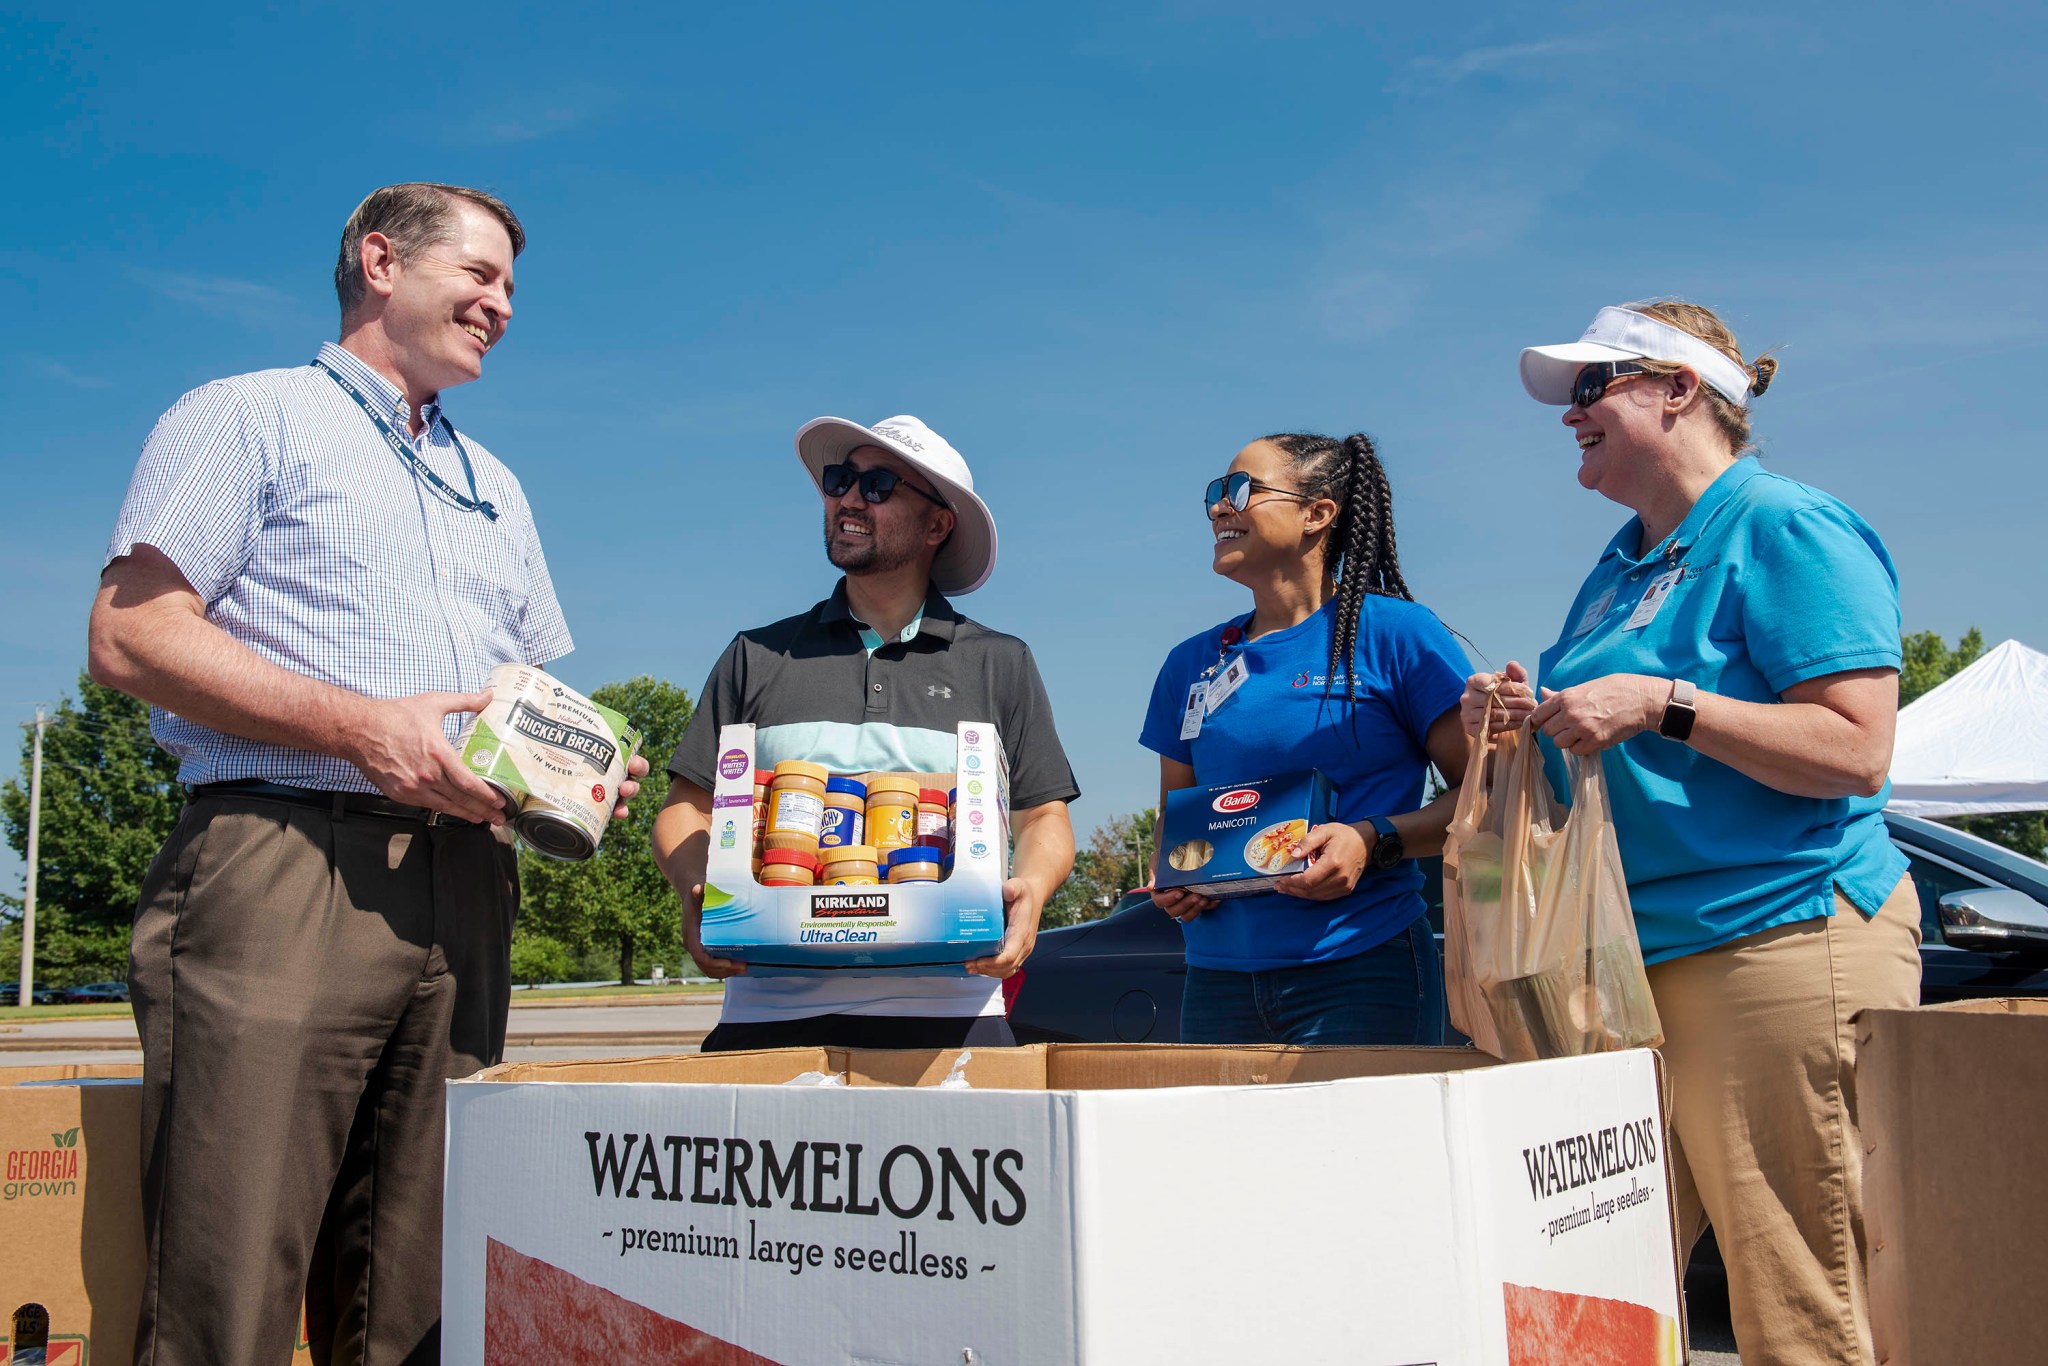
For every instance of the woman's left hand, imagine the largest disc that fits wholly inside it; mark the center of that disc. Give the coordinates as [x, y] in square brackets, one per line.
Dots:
[1337, 854]
[1603, 713]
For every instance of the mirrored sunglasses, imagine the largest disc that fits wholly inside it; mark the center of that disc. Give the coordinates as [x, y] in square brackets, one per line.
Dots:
[1237, 488]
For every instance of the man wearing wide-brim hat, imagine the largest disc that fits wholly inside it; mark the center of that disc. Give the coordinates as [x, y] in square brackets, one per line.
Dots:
[875, 679]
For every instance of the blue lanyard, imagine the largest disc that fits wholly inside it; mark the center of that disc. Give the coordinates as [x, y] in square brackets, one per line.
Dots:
[406, 453]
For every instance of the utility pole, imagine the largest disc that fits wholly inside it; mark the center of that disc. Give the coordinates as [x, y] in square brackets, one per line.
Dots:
[28, 898]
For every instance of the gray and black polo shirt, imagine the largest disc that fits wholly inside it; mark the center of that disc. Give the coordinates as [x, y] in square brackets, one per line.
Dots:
[814, 691]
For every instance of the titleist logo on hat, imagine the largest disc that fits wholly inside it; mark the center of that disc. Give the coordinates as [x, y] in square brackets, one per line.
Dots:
[898, 434]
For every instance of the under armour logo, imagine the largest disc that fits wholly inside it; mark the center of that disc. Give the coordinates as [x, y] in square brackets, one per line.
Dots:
[939, 690]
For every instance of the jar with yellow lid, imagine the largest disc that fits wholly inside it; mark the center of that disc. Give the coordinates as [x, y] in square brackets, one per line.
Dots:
[788, 868]
[918, 863]
[892, 813]
[796, 806]
[846, 813]
[850, 865]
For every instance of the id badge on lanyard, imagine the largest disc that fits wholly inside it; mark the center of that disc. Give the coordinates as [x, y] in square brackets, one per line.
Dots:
[1208, 692]
[1653, 598]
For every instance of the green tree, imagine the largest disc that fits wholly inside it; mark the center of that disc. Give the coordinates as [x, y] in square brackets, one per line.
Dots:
[1117, 858]
[1929, 662]
[538, 958]
[618, 898]
[110, 798]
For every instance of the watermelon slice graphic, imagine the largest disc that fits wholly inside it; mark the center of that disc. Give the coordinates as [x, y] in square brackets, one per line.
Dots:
[535, 1312]
[1556, 1328]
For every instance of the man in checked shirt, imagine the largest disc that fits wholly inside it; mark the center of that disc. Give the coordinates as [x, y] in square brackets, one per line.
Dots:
[311, 577]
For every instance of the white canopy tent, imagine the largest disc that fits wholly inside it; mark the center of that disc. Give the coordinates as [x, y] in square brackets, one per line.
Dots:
[1979, 742]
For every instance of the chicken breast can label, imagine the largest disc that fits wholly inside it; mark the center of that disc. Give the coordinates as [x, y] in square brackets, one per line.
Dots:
[554, 757]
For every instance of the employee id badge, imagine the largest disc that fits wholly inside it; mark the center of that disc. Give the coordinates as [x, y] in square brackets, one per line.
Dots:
[1660, 589]
[1595, 610]
[1224, 684]
[1191, 719]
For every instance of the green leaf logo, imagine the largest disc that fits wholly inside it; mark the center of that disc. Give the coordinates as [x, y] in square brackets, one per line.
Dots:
[67, 1139]
[714, 898]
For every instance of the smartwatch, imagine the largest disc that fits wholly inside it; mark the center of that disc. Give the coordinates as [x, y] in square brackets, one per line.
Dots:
[1387, 850]
[1678, 712]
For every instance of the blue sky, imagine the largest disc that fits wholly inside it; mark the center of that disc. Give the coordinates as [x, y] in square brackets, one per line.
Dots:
[1097, 247]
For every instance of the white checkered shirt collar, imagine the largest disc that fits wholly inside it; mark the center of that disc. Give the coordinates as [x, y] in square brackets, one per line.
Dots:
[388, 398]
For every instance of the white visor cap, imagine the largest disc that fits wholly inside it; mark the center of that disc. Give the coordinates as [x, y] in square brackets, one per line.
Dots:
[1548, 372]
[969, 556]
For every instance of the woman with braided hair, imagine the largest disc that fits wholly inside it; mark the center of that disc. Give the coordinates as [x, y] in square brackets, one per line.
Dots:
[1342, 671]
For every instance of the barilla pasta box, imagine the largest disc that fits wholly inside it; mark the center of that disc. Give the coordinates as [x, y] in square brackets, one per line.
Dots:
[1234, 839]
[914, 928]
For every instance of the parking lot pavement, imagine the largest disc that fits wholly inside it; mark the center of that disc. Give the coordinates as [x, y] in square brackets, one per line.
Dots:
[563, 1030]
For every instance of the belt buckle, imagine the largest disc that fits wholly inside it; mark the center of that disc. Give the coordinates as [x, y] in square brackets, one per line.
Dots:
[435, 818]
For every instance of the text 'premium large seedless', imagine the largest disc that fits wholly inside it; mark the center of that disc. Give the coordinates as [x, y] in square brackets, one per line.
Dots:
[554, 757]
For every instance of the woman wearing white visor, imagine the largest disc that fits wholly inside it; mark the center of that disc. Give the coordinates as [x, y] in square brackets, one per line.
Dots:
[1733, 658]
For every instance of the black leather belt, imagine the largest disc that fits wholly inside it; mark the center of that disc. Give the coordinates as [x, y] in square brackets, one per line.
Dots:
[337, 804]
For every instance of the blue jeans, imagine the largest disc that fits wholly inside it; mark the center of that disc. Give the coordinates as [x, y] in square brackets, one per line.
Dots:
[1390, 994]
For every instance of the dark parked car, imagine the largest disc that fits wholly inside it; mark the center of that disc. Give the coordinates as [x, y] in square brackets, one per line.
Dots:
[10, 995]
[96, 991]
[1983, 923]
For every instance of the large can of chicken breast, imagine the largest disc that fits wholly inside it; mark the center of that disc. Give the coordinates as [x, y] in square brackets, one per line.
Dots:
[555, 757]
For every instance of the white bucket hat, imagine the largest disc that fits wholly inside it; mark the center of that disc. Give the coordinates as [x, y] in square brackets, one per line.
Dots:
[969, 557]
[1548, 372]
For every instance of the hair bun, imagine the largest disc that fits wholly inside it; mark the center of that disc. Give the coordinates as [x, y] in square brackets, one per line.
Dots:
[1762, 372]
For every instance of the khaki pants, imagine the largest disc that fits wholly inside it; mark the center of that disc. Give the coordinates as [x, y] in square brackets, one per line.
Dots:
[303, 985]
[1760, 1060]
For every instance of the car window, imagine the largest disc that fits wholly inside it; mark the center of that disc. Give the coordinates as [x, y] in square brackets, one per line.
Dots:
[1934, 881]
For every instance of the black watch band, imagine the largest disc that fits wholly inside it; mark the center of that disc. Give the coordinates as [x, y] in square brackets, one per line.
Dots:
[1387, 849]
[1679, 712]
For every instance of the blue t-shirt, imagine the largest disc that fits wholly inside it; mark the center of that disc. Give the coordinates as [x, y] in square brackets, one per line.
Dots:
[1781, 583]
[1410, 672]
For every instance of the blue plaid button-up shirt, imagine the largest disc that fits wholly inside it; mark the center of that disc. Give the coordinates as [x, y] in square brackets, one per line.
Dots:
[314, 545]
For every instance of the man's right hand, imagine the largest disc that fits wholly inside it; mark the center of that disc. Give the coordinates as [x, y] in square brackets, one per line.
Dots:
[399, 745]
[693, 940]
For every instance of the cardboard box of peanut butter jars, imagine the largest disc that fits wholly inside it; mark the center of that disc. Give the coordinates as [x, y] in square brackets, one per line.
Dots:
[813, 870]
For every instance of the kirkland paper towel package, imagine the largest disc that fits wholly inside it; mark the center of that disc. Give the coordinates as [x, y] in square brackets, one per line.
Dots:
[909, 928]
[1113, 1205]
[1232, 839]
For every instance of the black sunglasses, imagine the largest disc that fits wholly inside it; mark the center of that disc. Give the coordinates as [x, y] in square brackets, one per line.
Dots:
[1238, 489]
[1591, 385]
[875, 485]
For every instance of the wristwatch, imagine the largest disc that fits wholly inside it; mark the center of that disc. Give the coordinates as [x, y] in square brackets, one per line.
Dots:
[1387, 849]
[1678, 712]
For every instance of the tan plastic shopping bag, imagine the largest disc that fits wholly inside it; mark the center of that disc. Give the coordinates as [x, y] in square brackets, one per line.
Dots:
[1541, 958]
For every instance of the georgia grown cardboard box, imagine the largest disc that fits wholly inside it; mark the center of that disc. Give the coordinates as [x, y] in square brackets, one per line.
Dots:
[911, 928]
[1950, 1100]
[1101, 1204]
[71, 1253]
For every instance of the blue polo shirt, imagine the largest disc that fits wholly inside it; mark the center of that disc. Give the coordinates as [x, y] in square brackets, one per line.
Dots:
[1780, 583]
[1290, 715]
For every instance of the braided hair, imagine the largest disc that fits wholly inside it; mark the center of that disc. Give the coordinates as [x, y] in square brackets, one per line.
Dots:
[1359, 551]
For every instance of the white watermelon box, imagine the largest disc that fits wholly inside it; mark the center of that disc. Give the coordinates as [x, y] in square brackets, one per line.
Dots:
[1101, 1204]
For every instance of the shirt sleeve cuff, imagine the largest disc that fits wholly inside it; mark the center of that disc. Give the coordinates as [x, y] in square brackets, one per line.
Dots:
[1876, 658]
